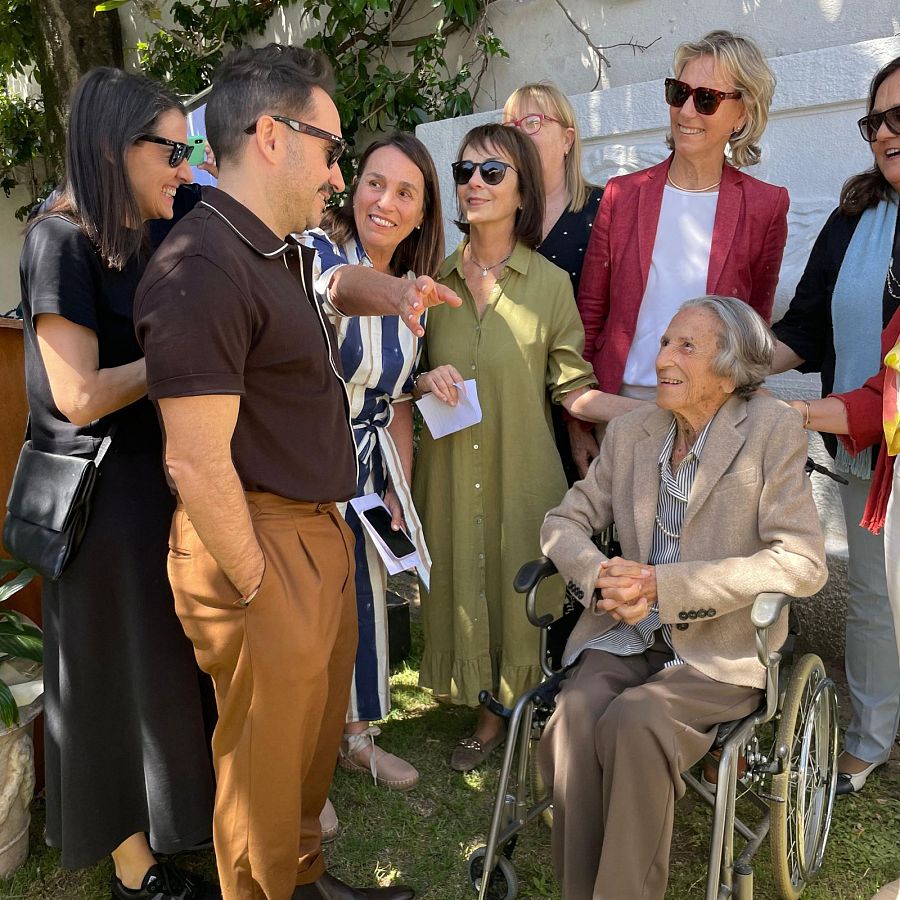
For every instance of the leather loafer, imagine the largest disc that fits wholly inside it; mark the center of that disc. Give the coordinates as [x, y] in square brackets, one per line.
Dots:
[167, 882]
[853, 784]
[330, 888]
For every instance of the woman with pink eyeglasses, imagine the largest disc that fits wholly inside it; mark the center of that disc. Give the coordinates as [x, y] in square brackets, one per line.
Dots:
[543, 112]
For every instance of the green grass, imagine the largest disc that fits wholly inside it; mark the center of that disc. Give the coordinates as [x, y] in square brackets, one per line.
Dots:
[424, 837]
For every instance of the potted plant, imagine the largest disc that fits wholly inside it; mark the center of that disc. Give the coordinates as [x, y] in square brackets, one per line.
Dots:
[21, 701]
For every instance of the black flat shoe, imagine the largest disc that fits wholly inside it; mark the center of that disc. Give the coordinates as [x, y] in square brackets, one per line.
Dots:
[167, 882]
[330, 888]
[853, 784]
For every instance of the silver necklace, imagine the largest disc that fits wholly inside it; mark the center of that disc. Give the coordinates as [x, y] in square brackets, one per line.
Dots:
[485, 269]
[891, 282]
[692, 190]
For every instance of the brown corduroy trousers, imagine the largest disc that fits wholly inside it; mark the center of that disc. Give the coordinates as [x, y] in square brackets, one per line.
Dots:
[282, 668]
[624, 730]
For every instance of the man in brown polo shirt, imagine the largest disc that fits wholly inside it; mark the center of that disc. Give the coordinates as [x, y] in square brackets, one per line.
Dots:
[244, 367]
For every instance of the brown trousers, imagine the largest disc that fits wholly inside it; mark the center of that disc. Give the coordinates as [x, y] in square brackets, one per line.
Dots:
[282, 670]
[623, 731]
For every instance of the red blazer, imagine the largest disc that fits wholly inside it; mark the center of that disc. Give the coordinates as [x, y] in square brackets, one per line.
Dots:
[866, 423]
[748, 240]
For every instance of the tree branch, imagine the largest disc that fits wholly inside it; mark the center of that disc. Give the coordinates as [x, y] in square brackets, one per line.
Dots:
[597, 49]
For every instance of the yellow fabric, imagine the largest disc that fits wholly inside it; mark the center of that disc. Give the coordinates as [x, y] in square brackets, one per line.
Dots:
[482, 492]
[891, 400]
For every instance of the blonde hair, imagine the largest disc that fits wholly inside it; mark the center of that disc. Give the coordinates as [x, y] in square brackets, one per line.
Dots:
[743, 64]
[551, 101]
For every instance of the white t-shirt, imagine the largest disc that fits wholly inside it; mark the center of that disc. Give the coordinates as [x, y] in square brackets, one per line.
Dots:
[678, 271]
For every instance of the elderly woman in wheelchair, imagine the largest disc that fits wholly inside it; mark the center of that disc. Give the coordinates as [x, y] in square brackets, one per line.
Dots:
[708, 493]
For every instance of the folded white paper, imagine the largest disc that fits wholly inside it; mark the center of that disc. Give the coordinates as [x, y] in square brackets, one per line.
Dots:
[392, 563]
[443, 419]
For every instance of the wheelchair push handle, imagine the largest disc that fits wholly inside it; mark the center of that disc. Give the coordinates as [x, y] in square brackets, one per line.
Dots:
[811, 467]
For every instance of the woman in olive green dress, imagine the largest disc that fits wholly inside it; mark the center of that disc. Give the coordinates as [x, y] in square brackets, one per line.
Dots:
[483, 491]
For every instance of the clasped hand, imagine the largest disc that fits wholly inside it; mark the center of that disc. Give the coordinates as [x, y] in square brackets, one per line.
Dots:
[627, 589]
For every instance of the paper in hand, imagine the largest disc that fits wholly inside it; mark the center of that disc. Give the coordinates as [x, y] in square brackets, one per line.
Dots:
[443, 419]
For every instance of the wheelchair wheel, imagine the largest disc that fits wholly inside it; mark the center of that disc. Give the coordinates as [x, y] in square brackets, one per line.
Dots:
[801, 815]
[504, 884]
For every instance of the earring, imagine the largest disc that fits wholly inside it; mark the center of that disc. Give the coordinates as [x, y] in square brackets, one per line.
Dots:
[418, 227]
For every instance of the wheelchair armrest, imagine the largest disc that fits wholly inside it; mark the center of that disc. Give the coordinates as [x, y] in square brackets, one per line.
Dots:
[532, 573]
[767, 608]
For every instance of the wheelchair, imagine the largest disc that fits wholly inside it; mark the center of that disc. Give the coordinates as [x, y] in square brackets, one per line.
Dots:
[782, 760]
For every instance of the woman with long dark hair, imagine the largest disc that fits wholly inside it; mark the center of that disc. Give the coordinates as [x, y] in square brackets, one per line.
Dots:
[391, 220]
[847, 297]
[127, 760]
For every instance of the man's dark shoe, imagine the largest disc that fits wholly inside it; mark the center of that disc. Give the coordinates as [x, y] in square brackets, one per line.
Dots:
[167, 882]
[330, 888]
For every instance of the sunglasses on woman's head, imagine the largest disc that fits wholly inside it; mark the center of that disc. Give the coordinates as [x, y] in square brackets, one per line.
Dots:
[706, 100]
[180, 152]
[493, 171]
[869, 125]
[531, 124]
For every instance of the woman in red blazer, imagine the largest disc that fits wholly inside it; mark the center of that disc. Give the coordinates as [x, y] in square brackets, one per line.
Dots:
[692, 225]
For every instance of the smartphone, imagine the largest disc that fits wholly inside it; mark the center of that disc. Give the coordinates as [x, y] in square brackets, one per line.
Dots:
[197, 143]
[397, 541]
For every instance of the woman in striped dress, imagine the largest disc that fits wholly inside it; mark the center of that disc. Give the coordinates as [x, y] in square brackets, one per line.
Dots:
[391, 221]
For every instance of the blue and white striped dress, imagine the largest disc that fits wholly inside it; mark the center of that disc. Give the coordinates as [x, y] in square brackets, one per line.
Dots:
[379, 355]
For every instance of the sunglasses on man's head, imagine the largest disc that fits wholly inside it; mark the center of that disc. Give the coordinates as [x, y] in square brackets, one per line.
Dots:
[869, 125]
[493, 171]
[338, 144]
[180, 152]
[706, 100]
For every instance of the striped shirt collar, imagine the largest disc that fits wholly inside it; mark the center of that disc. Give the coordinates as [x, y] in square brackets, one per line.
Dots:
[679, 481]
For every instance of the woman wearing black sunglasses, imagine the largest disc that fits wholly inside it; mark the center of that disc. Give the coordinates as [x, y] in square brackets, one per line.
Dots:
[483, 491]
[692, 225]
[848, 294]
[127, 756]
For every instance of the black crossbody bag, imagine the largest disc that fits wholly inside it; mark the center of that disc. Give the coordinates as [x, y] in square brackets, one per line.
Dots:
[49, 505]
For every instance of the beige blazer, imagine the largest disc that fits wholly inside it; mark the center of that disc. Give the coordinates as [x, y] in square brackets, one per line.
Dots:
[750, 526]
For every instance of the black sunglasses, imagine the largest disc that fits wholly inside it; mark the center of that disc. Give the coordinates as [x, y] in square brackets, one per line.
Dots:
[338, 144]
[706, 100]
[180, 152]
[869, 125]
[493, 171]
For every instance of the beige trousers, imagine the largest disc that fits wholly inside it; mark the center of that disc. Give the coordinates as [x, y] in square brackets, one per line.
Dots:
[282, 669]
[623, 731]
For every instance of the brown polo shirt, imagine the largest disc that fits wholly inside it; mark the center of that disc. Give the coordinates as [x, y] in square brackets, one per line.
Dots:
[227, 307]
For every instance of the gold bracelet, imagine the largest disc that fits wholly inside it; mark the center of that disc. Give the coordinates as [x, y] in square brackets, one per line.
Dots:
[806, 404]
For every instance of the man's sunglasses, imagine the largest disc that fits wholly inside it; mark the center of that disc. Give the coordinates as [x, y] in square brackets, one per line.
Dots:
[706, 100]
[493, 171]
[180, 152]
[338, 144]
[869, 125]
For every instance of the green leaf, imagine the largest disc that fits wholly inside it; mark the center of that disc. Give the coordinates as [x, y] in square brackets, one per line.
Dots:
[25, 646]
[109, 5]
[7, 589]
[9, 712]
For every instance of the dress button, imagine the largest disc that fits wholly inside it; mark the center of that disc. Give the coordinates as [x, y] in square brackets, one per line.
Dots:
[682, 627]
[710, 612]
[682, 615]
[474, 446]
[701, 613]
[477, 520]
[473, 367]
[692, 614]
[477, 484]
